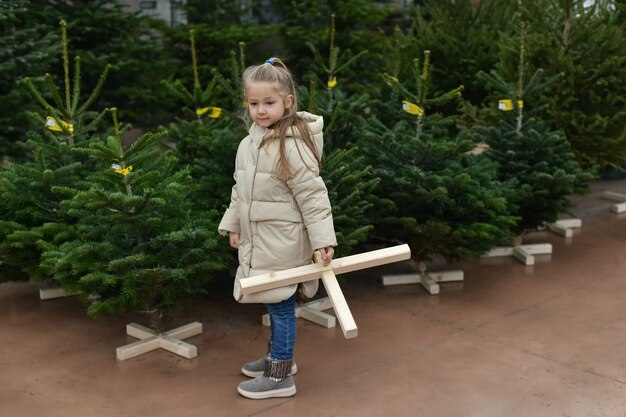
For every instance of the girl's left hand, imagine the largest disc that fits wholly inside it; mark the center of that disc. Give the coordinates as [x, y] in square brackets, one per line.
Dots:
[327, 254]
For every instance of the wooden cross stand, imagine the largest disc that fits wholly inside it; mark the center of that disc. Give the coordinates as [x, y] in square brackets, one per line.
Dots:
[327, 273]
[149, 340]
[620, 198]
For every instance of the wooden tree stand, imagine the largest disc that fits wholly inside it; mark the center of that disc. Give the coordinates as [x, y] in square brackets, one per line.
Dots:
[55, 292]
[311, 311]
[620, 207]
[150, 340]
[523, 253]
[565, 227]
[429, 280]
[327, 273]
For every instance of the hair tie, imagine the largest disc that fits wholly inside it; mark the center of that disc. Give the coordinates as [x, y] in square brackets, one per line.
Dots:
[270, 61]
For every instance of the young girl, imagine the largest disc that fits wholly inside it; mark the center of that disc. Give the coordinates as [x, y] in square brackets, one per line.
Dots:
[279, 214]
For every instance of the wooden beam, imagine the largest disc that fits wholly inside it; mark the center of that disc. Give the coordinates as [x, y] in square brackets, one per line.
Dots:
[150, 340]
[344, 316]
[311, 311]
[613, 196]
[313, 271]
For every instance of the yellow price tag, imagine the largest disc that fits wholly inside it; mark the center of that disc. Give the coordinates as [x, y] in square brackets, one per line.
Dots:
[53, 124]
[214, 112]
[122, 170]
[412, 108]
[507, 105]
[332, 83]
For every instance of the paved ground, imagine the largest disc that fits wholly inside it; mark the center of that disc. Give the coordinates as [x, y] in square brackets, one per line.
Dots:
[510, 341]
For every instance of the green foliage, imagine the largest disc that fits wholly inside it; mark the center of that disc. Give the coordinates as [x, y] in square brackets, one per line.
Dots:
[464, 36]
[103, 33]
[349, 25]
[534, 159]
[139, 246]
[26, 49]
[208, 143]
[28, 189]
[587, 45]
[434, 194]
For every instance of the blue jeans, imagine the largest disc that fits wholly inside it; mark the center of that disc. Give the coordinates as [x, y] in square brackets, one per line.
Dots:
[283, 328]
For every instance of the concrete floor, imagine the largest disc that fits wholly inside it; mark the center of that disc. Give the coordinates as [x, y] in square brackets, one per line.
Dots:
[511, 340]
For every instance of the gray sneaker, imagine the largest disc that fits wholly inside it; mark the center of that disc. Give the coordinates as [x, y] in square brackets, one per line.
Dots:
[263, 387]
[255, 368]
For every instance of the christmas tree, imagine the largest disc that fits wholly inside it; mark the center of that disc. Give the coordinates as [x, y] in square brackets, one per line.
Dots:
[207, 140]
[30, 210]
[585, 42]
[435, 194]
[26, 49]
[534, 159]
[349, 179]
[139, 245]
[105, 32]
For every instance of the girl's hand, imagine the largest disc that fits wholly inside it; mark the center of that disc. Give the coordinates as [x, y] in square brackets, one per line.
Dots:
[327, 254]
[234, 239]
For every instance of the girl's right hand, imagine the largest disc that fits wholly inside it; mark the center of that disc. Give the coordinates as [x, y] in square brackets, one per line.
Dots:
[234, 239]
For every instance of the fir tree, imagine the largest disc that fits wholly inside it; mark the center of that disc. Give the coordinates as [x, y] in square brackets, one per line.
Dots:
[435, 194]
[207, 141]
[349, 179]
[26, 49]
[534, 159]
[139, 246]
[586, 43]
[30, 204]
[104, 32]
[464, 35]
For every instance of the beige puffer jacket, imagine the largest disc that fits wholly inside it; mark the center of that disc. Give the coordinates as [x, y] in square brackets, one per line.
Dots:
[281, 221]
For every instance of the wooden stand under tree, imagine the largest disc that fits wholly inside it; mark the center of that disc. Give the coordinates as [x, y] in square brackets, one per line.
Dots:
[523, 253]
[151, 340]
[50, 293]
[565, 227]
[620, 198]
[429, 280]
[327, 273]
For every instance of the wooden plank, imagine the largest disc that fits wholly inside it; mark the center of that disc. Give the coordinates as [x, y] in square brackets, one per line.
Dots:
[313, 271]
[138, 331]
[402, 279]
[538, 248]
[429, 283]
[618, 208]
[613, 196]
[570, 223]
[447, 276]
[561, 230]
[318, 317]
[320, 304]
[523, 255]
[183, 332]
[178, 347]
[138, 348]
[499, 251]
[340, 305]
[50, 293]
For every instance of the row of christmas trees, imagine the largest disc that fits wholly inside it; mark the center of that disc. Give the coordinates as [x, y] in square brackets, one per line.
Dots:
[133, 227]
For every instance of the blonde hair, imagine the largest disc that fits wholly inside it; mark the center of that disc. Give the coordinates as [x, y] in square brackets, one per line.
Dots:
[275, 71]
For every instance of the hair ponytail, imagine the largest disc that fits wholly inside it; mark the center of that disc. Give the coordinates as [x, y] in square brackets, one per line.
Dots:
[274, 70]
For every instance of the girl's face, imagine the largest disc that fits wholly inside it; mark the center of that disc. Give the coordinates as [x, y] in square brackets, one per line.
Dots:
[265, 103]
